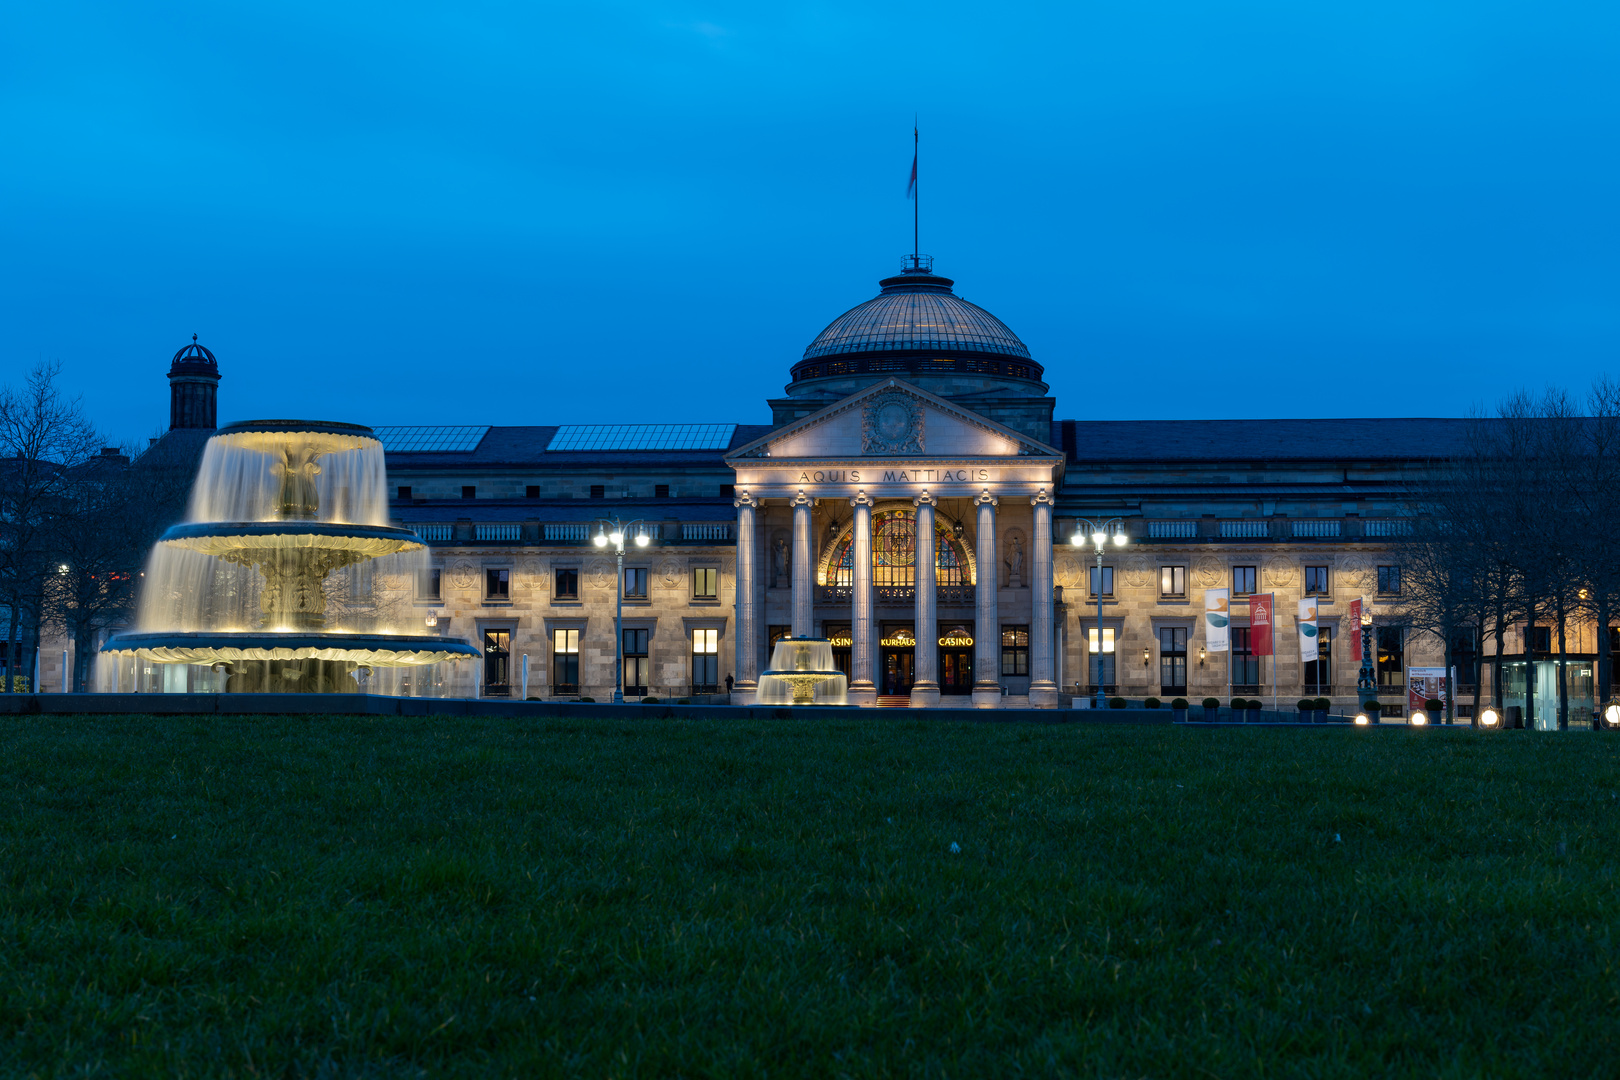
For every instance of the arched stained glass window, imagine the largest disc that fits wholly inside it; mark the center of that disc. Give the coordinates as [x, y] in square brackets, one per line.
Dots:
[894, 546]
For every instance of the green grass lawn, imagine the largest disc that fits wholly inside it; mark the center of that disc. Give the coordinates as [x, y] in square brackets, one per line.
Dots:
[384, 897]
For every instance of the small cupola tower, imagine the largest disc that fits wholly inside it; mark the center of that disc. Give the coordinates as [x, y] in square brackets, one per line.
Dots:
[193, 388]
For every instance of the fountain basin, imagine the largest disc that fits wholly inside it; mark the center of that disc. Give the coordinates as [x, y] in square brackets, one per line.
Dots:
[239, 541]
[221, 646]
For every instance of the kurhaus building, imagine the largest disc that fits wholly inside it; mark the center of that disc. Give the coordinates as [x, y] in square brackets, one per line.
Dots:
[915, 432]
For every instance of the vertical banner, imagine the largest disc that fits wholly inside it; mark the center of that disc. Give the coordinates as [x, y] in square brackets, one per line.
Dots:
[1307, 630]
[1261, 610]
[1354, 627]
[1217, 619]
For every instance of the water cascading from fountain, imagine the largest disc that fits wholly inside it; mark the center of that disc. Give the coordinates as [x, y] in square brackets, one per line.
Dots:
[286, 575]
[802, 673]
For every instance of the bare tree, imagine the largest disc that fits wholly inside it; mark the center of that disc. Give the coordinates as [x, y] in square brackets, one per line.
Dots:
[44, 438]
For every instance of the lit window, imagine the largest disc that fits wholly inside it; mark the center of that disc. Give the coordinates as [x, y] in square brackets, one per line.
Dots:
[705, 583]
[565, 661]
[1172, 581]
[705, 660]
[637, 665]
[1015, 650]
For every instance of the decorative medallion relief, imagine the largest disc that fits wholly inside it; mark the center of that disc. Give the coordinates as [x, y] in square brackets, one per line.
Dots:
[892, 423]
[1279, 572]
[670, 571]
[601, 573]
[1210, 571]
[1138, 572]
[1352, 572]
[462, 575]
[1067, 571]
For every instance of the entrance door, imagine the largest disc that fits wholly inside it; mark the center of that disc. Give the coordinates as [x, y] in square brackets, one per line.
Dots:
[497, 663]
[897, 670]
[956, 671]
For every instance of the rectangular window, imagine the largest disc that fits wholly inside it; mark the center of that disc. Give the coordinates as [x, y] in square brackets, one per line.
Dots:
[1107, 580]
[774, 634]
[1015, 649]
[1391, 657]
[1465, 645]
[1101, 659]
[1316, 581]
[532, 491]
[598, 491]
[636, 663]
[705, 583]
[1319, 672]
[498, 585]
[565, 661]
[705, 661]
[1242, 580]
[469, 491]
[635, 583]
[404, 494]
[1389, 581]
[427, 584]
[1245, 665]
[1172, 660]
[1541, 639]
[660, 491]
[1173, 581]
[567, 583]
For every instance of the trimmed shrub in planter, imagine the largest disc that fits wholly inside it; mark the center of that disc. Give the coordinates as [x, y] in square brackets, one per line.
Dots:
[1151, 703]
[649, 701]
[589, 699]
[683, 701]
[1178, 706]
[1212, 709]
[1307, 704]
[1116, 703]
[1181, 703]
[1436, 710]
[1254, 706]
[1239, 704]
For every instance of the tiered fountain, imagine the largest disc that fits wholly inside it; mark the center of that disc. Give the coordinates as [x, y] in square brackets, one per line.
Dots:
[286, 577]
[802, 673]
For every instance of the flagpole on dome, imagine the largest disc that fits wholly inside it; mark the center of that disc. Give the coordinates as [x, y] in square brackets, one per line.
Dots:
[911, 193]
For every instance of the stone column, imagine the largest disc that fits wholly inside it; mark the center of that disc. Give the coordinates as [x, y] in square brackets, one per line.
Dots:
[803, 598]
[925, 684]
[1043, 689]
[863, 650]
[747, 639]
[987, 625]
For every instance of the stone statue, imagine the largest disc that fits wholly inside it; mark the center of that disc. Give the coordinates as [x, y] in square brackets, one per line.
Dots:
[779, 563]
[1015, 564]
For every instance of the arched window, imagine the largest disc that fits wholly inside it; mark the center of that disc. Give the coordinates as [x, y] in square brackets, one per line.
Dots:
[894, 547]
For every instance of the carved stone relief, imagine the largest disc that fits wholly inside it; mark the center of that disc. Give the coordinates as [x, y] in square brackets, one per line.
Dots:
[1012, 560]
[1210, 572]
[1279, 572]
[1138, 572]
[601, 573]
[892, 423]
[1352, 572]
[781, 561]
[1067, 571]
[462, 575]
[670, 572]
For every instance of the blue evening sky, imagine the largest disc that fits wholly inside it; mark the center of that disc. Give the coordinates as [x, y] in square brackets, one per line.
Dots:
[535, 213]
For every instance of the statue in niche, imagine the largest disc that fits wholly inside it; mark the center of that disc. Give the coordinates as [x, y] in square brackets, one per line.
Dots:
[1015, 562]
[779, 563]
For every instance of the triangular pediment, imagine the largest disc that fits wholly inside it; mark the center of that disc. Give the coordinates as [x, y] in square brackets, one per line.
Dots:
[893, 420]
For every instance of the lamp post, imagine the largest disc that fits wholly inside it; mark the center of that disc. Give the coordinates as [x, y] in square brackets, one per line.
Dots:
[1367, 678]
[602, 539]
[1098, 531]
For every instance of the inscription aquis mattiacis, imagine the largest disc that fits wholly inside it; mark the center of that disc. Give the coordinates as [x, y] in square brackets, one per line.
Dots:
[894, 476]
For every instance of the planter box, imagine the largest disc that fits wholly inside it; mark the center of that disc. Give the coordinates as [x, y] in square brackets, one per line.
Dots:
[1179, 716]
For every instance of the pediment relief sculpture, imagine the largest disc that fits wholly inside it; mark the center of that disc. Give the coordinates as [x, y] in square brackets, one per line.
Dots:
[892, 423]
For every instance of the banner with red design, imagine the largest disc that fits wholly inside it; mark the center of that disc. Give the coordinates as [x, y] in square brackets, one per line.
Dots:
[1353, 628]
[1261, 610]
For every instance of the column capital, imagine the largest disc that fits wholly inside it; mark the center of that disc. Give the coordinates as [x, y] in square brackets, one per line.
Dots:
[984, 498]
[861, 498]
[1040, 498]
[925, 499]
[801, 499]
[745, 499]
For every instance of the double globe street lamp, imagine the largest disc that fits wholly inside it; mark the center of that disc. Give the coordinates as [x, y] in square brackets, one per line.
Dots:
[1099, 532]
[612, 531]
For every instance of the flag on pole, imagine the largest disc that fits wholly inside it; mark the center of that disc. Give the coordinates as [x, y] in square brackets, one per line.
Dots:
[1261, 610]
[911, 185]
[1307, 630]
[1217, 620]
[1354, 619]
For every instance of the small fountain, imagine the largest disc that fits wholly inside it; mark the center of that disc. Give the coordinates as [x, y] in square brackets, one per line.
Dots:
[283, 513]
[802, 673]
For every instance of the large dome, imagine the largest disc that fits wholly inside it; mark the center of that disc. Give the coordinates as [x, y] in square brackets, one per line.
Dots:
[918, 326]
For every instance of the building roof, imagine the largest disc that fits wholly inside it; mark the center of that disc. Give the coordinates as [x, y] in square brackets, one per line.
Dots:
[528, 446]
[1356, 439]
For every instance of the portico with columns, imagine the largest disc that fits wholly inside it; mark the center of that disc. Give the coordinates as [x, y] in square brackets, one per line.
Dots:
[914, 533]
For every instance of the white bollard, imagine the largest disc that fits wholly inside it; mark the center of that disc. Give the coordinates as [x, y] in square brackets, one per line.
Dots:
[65, 674]
[525, 677]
